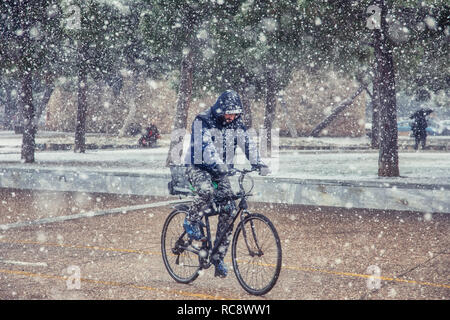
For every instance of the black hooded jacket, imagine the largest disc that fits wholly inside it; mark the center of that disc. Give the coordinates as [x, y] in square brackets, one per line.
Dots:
[419, 124]
[213, 140]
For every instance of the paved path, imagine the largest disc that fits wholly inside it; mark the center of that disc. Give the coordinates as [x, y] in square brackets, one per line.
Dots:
[328, 253]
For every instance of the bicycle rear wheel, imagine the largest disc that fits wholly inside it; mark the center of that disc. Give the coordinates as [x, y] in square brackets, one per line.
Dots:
[256, 254]
[182, 264]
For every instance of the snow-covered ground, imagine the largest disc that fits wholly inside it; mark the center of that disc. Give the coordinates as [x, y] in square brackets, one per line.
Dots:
[338, 164]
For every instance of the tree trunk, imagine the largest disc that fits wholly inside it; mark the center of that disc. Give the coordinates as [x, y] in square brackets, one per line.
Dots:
[247, 116]
[375, 137]
[183, 103]
[315, 132]
[388, 156]
[25, 68]
[132, 105]
[290, 124]
[49, 87]
[80, 129]
[271, 103]
[10, 105]
[29, 132]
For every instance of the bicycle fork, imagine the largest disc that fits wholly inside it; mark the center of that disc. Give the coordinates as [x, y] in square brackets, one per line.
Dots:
[242, 212]
[251, 252]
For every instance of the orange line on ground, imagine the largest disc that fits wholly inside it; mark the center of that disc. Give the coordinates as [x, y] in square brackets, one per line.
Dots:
[349, 274]
[116, 284]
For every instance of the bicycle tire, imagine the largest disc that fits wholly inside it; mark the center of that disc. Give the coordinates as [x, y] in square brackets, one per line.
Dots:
[182, 265]
[251, 267]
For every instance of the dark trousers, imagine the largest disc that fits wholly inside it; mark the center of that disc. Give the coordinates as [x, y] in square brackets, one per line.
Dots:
[420, 138]
[207, 198]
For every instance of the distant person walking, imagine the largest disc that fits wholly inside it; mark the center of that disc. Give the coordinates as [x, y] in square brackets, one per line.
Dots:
[419, 126]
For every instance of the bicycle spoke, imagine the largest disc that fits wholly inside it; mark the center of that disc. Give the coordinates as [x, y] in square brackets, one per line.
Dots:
[257, 254]
[181, 261]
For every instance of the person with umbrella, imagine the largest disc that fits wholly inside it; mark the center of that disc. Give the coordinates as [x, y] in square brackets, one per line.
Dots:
[419, 126]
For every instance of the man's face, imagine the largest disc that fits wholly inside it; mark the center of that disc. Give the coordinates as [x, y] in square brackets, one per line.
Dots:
[230, 117]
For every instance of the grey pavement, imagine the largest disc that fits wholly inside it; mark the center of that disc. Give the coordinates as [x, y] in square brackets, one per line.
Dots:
[335, 172]
[328, 253]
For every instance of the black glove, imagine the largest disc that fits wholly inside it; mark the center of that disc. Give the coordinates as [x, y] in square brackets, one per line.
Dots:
[263, 169]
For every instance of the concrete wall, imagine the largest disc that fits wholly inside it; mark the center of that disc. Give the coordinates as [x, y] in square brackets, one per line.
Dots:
[362, 194]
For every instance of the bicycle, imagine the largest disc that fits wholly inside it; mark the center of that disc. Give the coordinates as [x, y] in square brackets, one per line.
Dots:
[255, 249]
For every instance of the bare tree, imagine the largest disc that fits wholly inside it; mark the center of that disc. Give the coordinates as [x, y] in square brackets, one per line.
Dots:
[183, 101]
[271, 103]
[80, 128]
[26, 94]
[323, 124]
[375, 96]
[29, 132]
[385, 84]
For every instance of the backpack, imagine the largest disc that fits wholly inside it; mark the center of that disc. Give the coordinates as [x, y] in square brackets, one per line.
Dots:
[179, 183]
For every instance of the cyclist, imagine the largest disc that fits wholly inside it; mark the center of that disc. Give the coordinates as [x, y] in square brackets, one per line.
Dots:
[215, 134]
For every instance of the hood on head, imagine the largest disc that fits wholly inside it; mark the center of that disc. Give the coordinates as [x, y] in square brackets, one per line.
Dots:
[227, 103]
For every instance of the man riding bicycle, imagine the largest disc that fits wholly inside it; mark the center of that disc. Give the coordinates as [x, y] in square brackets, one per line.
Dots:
[215, 134]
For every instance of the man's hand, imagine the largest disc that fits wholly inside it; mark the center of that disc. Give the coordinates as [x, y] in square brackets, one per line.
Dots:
[263, 169]
[221, 169]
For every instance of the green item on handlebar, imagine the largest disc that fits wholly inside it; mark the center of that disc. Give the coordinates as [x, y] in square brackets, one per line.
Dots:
[214, 184]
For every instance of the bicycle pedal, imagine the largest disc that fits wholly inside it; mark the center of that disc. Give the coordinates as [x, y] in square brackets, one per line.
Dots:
[219, 275]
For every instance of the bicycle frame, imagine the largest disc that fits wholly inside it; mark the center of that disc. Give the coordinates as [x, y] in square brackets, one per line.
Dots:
[215, 248]
[242, 211]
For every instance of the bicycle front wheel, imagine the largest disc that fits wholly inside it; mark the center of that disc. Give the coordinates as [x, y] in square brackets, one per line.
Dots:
[182, 264]
[256, 254]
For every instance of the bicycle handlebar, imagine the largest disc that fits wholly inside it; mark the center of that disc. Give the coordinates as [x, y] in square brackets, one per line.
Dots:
[233, 171]
[242, 172]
